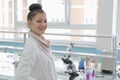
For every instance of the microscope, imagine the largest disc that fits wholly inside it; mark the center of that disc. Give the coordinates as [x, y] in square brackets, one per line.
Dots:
[71, 68]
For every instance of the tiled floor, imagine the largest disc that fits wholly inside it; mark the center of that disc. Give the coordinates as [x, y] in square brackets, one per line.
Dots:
[7, 69]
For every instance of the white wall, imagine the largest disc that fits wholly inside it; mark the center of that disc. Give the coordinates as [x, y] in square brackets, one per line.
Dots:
[118, 24]
[106, 24]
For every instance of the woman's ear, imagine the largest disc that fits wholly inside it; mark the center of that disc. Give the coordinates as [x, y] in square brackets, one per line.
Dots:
[29, 23]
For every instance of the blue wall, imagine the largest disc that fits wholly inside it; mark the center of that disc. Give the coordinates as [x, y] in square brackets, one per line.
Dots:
[54, 47]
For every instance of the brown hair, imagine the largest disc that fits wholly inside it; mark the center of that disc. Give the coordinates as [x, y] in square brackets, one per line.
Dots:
[34, 10]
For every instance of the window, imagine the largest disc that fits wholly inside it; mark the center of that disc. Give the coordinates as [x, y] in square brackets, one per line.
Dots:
[55, 10]
[22, 10]
[6, 14]
[81, 17]
[78, 16]
[63, 12]
[83, 12]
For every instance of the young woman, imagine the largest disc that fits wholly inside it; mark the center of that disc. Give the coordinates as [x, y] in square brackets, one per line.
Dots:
[36, 61]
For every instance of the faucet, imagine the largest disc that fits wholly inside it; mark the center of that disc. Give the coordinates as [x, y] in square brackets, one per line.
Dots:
[70, 46]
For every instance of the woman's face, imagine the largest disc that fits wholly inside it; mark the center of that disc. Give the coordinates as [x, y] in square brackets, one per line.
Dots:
[38, 24]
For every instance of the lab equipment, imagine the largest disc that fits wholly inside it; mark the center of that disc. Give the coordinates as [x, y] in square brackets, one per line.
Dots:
[71, 68]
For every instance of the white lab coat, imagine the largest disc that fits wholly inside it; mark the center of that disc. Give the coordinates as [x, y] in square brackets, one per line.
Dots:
[36, 61]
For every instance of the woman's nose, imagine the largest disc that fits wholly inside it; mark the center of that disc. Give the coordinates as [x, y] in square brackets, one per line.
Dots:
[43, 24]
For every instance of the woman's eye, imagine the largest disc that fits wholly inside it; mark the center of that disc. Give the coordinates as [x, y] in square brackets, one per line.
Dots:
[42, 21]
[45, 21]
[38, 21]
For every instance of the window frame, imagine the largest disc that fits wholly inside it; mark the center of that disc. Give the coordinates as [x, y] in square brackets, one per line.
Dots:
[58, 25]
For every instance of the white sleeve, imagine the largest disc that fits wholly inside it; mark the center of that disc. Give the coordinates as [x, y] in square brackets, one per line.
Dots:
[26, 63]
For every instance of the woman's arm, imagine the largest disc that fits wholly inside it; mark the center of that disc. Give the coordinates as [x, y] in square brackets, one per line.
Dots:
[26, 63]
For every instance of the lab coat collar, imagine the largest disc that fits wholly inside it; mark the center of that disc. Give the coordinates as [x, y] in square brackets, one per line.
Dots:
[41, 40]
